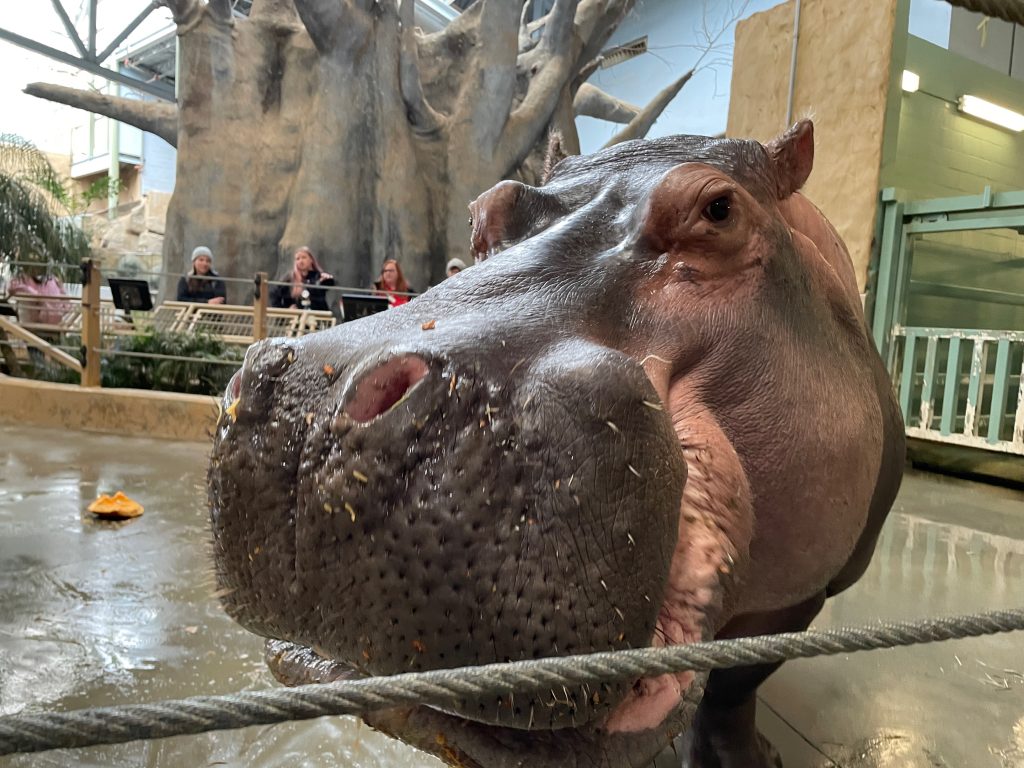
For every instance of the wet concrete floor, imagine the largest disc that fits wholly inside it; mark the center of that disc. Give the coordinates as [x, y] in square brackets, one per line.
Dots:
[96, 614]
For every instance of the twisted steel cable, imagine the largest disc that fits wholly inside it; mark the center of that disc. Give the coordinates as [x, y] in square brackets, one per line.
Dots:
[444, 688]
[1007, 10]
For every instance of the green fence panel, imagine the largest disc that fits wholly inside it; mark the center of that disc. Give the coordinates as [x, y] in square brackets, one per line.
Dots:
[907, 380]
[1000, 388]
[951, 393]
[974, 387]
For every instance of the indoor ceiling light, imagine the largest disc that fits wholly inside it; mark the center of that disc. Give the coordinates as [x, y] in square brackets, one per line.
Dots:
[992, 113]
[910, 81]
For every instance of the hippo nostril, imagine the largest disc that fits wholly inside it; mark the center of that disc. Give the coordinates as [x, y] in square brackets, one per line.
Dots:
[234, 389]
[382, 388]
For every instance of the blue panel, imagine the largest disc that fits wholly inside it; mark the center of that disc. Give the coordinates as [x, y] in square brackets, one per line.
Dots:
[702, 107]
[930, 19]
[159, 161]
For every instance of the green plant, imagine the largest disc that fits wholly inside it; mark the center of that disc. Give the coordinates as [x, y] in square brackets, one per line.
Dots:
[204, 374]
[100, 189]
[36, 222]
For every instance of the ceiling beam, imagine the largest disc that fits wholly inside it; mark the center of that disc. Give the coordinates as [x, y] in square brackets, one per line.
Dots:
[160, 90]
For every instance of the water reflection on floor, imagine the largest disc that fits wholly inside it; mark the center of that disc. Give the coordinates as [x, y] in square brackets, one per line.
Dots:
[97, 614]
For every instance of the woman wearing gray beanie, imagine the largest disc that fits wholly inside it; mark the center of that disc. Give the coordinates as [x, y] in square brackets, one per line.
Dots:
[202, 285]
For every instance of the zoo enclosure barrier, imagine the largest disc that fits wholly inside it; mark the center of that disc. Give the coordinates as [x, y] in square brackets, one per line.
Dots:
[76, 330]
[947, 316]
[448, 687]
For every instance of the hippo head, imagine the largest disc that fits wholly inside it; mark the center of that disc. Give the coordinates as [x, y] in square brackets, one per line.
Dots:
[498, 470]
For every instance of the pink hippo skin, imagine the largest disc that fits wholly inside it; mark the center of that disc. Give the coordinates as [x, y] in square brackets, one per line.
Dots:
[652, 414]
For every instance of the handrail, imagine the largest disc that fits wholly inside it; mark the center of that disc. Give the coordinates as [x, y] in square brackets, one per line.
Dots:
[48, 350]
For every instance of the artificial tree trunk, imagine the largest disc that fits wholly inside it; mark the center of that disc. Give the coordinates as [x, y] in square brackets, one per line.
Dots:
[336, 124]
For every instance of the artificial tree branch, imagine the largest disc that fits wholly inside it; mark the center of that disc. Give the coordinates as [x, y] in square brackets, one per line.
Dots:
[559, 27]
[583, 73]
[281, 10]
[595, 23]
[593, 102]
[423, 117]
[182, 11]
[221, 10]
[527, 122]
[528, 31]
[466, 23]
[526, 41]
[565, 121]
[334, 25]
[489, 80]
[641, 124]
[156, 117]
[558, 30]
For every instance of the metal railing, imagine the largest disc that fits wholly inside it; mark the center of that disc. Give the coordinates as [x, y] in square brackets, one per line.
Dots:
[89, 325]
[962, 386]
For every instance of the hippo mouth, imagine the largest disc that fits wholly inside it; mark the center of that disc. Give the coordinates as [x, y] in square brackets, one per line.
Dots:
[419, 516]
[471, 744]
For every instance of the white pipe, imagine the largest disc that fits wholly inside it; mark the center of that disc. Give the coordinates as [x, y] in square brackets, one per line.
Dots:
[792, 65]
[114, 169]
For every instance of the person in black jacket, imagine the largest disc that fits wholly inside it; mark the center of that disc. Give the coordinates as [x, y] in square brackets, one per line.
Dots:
[306, 284]
[202, 285]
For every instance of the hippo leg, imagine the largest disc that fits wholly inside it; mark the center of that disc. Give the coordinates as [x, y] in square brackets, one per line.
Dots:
[723, 733]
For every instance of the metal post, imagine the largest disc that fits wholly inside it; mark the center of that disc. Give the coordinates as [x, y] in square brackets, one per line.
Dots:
[259, 315]
[888, 267]
[91, 278]
[114, 169]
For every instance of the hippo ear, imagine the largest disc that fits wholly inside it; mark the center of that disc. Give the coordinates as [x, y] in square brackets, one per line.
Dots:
[792, 156]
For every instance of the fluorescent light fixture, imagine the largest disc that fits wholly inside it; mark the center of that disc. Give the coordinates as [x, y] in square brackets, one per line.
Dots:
[992, 113]
[910, 81]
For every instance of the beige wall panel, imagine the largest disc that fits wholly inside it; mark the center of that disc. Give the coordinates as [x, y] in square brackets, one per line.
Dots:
[842, 80]
[132, 412]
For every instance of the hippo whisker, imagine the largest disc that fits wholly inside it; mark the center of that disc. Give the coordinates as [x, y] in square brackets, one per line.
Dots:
[655, 357]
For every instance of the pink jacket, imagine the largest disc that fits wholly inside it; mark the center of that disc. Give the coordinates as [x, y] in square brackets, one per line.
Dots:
[35, 311]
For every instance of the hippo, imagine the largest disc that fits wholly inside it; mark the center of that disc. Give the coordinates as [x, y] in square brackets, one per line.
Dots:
[652, 414]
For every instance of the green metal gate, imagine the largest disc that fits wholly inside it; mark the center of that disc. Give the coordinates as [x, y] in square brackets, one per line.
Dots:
[959, 380]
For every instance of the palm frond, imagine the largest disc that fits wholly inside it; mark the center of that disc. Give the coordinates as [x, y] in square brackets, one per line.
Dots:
[36, 224]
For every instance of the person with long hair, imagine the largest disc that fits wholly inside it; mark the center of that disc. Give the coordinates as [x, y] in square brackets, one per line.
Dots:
[306, 285]
[392, 283]
[202, 285]
[32, 283]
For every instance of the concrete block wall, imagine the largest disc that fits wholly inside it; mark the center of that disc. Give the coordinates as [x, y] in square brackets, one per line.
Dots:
[943, 153]
[841, 81]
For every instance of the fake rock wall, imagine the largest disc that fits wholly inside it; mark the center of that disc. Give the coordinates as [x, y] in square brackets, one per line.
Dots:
[841, 82]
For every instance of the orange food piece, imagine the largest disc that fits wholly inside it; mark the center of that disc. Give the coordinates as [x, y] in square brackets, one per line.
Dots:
[116, 506]
[429, 325]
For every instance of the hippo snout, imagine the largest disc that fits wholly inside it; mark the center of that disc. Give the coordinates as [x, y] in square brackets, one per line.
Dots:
[409, 509]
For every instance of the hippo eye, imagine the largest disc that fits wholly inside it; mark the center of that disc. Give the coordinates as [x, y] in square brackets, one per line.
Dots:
[717, 210]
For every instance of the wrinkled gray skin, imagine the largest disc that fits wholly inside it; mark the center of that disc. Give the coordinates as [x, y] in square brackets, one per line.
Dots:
[653, 415]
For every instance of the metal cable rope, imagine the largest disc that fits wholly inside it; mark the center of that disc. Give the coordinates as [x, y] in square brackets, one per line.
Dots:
[1008, 10]
[113, 725]
[178, 358]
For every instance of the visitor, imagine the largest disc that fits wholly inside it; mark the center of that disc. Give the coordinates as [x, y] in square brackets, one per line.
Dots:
[392, 284]
[455, 266]
[202, 285]
[306, 285]
[31, 283]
